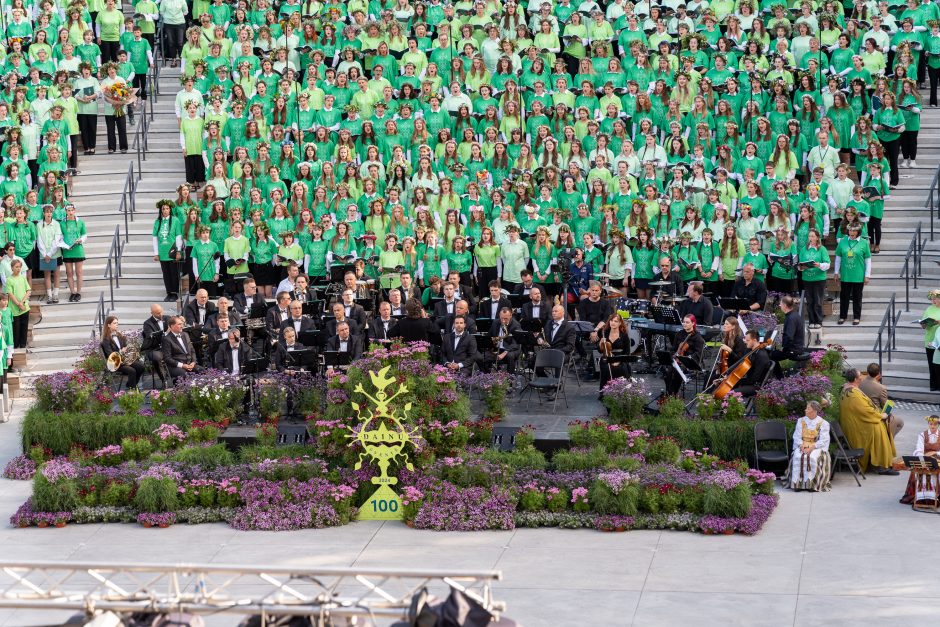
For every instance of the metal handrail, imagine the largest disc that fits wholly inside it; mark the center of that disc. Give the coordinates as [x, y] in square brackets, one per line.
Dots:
[128, 205]
[99, 317]
[933, 199]
[141, 131]
[889, 323]
[913, 260]
[112, 271]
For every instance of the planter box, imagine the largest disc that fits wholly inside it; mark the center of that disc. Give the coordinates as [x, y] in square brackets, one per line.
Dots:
[827, 306]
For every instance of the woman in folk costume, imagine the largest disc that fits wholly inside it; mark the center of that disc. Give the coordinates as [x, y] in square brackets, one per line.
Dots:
[924, 488]
[810, 464]
[865, 427]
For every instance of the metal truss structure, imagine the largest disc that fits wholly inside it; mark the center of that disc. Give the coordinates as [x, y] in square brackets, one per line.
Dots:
[328, 596]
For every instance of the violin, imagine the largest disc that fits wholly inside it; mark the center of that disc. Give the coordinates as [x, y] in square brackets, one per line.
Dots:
[605, 347]
[723, 362]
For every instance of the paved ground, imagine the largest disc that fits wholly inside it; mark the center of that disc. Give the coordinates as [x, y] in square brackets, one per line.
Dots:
[847, 557]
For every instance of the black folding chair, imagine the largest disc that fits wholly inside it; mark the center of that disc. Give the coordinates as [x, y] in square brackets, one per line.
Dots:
[548, 376]
[771, 431]
[845, 454]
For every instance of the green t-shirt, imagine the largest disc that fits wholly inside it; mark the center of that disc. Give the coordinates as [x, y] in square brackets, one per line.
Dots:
[852, 256]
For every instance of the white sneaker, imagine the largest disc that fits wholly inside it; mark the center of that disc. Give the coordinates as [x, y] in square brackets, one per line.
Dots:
[912, 164]
[903, 163]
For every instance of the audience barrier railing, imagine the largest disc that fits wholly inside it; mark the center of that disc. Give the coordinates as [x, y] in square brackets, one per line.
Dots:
[889, 325]
[913, 260]
[112, 271]
[933, 199]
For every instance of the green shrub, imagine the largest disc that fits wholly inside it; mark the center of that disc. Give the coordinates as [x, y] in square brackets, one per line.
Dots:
[662, 451]
[532, 500]
[156, 495]
[566, 461]
[650, 500]
[528, 458]
[604, 501]
[60, 496]
[206, 456]
[693, 500]
[672, 409]
[625, 463]
[131, 401]
[92, 430]
[116, 495]
[733, 503]
[136, 448]
[669, 501]
[729, 440]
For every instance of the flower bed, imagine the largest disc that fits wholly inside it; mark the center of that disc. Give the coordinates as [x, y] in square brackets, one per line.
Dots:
[160, 465]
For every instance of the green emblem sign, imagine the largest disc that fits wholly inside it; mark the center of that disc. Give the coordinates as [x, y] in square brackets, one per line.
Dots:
[382, 437]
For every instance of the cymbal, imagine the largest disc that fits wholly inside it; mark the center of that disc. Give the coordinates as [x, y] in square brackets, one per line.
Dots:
[603, 275]
[612, 290]
[659, 283]
[675, 299]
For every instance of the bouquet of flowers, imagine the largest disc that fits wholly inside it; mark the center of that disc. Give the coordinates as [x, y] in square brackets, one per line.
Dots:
[119, 95]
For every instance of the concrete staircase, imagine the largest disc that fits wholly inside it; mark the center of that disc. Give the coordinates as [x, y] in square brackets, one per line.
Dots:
[906, 374]
[96, 192]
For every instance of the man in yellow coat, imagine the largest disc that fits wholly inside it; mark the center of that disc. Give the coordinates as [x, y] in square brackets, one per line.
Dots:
[864, 426]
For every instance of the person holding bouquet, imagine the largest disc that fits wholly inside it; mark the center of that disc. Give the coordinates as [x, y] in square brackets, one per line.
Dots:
[117, 95]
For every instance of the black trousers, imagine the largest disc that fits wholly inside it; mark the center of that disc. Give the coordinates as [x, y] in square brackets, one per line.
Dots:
[934, 370]
[175, 35]
[815, 293]
[133, 372]
[109, 50]
[88, 129]
[195, 169]
[853, 292]
[112, 122]
[140, 82]
[909, 144]
[73, 146]
[171, 277]
[934, 74]
[20, 330]
[892, 149]
[874, 231]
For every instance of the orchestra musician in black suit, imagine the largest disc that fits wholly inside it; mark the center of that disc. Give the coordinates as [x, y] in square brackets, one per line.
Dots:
[302, 292]
[198, 310]
[537, 308]
[113, 341]
[761, 364]
[353, 310]
[396, 304]
[153, 329]
[525, 287]
[286, 345]
[178, 352]
[232, 355]
[505, 347]
[461, 291]
[459, 349]
[344, 341]
[245, 300]
[490, 306]
[277, 315]
[224, 308]
[446, 307]
[297, 320]
[339, 315]
[408, 289]
[462, 308]
[558, 333]
[381, 328]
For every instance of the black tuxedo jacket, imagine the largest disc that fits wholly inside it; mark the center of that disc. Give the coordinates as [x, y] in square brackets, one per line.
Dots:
[174, 353]
[484, 309]
[191, 312]
[563, 339]
[353, 345]
[465, 353]
[223, 356]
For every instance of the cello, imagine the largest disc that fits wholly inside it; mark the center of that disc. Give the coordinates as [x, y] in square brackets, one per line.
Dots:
[737, 373]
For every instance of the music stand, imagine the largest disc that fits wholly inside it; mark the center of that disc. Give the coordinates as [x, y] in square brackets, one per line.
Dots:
[313, 308]
[152, 342]
[336, 359]
[665, 314]
[258, 310]
[484, 342]
[484, 322]
[303, 359]
[733, 304]
[533, 325]
[311, 339]
[338, 272]
[518, 300]
[366, 303]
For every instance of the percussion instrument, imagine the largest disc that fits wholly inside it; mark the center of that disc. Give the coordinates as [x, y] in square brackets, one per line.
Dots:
[659, 283]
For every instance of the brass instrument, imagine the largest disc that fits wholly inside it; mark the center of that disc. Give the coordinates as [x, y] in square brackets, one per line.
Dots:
[128, 354]
[503, 334]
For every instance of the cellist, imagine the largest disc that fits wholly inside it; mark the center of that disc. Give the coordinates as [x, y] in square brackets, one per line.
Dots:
[689, 343]
[732, 347]
[760, 365]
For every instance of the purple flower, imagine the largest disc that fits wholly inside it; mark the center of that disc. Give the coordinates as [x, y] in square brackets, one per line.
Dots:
[20, 468]
[59, 468]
